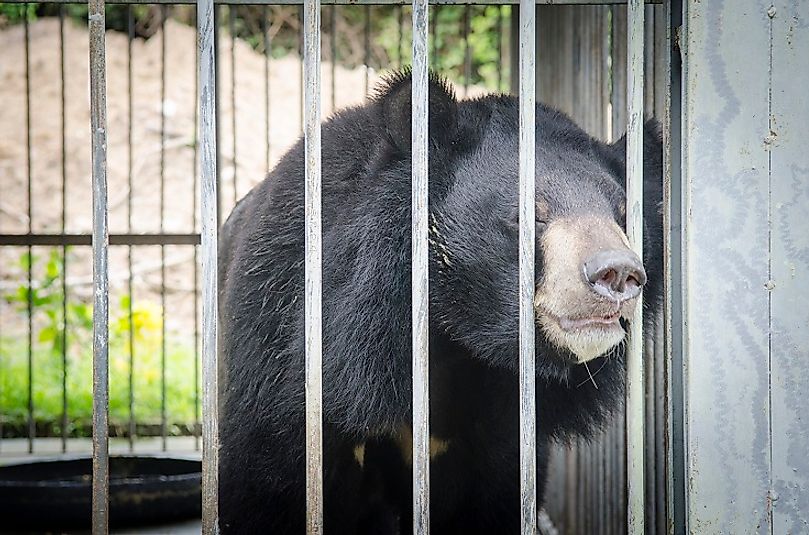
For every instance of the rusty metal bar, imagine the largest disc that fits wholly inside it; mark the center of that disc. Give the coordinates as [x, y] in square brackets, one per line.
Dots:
[98, 121]
[209, 218]
[194, 184]
[265, 32]
[673, 275]
[233, 10]
[400, 35]
[434, 35]
[419, 272]
[366, 44]
[527, 94]
[634, 225]
[163, 417]
[467, 52]
[130, 26]
[313, 262]
[333, 56]
[29, 208]
[500, 59]
[63, 167]
[16, 240]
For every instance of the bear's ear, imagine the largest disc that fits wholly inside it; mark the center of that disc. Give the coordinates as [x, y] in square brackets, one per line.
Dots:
[652, 152]
[393, 110]
[615, 159]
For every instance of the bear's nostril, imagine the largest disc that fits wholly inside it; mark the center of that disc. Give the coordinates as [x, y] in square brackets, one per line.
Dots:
[616, 274]
[608, 278]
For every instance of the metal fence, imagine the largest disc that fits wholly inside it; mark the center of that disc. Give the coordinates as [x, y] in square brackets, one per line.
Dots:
[678, 403]
[524, 80]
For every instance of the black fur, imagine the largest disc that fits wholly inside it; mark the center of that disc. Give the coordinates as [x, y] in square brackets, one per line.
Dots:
[366, 316]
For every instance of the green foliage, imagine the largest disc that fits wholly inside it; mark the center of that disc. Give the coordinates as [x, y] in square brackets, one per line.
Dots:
[283, 26]
[16, 13]
[52, 349]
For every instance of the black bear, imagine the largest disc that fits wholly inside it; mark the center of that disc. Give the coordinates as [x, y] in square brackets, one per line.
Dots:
[588, 283]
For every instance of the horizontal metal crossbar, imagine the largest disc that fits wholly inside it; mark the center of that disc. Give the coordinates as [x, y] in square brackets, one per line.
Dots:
[355, 2]
[23, 240]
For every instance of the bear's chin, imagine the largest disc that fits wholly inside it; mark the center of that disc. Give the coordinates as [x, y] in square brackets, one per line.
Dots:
[585, 341]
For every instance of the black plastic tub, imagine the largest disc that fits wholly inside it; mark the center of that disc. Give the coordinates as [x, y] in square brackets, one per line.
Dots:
[56, 494]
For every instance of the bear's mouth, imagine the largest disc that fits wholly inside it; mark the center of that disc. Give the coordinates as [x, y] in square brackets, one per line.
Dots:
[586, 337]
[599, 322]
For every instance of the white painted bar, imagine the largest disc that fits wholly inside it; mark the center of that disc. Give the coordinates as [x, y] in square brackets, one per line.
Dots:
[635, 407]
[208, 216]
[313, 266]
[419, 273]
[528, 458]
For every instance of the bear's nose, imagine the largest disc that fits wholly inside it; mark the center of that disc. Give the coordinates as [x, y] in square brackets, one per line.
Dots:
[616, 274]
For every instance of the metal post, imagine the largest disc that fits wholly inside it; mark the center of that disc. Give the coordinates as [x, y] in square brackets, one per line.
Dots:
[528, 458]
[209, 220]
[130, 25]
[30, 214]
[313, 266]
[163, 416]
[634, 227]
[419, 273]
[233, 11]
[98, 121]
[63, 162]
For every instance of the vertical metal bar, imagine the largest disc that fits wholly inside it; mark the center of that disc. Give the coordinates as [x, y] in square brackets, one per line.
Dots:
[163, 418]
[313, 266]
[634, 226]
[514, 44]
[98, 120]
[500, 60]
[571, 483]
[528, 458]
[63, 162]
[587, 482]
[434, 32]
[30, 214]
[467, 54]
[333, 55]
[195, 181]
[217, 93]
[673, 275]
[267, 53]
[130, 25]
[400, 36]
[209, 218]
[366, 41]
[419, 272]
[232, 12]
[300, 63]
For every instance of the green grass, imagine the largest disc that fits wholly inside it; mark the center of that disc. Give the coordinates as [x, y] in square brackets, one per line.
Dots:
[47, 386]
[49, 345]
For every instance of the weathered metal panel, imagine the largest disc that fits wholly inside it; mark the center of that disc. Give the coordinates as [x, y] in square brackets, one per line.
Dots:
[725, 244]
[789, 289]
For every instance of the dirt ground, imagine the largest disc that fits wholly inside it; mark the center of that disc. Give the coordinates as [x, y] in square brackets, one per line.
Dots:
[55, 161]
[134, 144]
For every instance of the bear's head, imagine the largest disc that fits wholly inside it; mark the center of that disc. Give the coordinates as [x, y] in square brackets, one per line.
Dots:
[588, 280]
